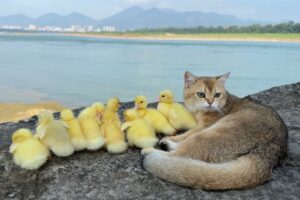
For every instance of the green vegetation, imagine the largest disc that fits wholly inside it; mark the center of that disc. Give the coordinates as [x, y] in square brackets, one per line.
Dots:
[288, 37]
[289, 32]
[289, 27]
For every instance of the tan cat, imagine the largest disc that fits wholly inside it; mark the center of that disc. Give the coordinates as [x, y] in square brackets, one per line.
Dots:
[235, 145]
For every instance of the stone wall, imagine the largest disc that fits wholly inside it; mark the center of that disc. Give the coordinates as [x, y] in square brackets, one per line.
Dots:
[100, 175]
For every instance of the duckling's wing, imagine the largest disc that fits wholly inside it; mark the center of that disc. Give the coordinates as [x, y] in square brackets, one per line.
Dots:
[98, 119]
[64, 124]
[12, 148]
[126, 125]
[40, 132]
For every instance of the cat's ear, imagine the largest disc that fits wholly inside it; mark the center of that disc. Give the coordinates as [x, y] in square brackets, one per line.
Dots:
[189, 79]
[221, 79]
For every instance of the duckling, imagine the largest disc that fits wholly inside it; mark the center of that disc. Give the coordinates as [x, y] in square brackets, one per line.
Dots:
[99, 107]
[54, 134]
[156, 119]
[90, 124]
[114, 137]
[77, 137]
[111, 111]
[178, 115]
[111, 127]
[28, 152]
[139, 132]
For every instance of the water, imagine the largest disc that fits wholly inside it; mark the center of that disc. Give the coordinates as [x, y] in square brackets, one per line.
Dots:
[78, 71]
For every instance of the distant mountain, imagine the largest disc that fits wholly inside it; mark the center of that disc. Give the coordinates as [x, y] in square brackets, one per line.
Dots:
[49, 19]
[53, 19]
[18, 20]
[137, 18]
[132, 18]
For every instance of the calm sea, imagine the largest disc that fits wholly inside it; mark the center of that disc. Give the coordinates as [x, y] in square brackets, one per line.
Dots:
[77, 71]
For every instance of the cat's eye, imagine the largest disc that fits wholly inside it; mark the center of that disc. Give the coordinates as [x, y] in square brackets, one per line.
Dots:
[217, 95]
[201, 94]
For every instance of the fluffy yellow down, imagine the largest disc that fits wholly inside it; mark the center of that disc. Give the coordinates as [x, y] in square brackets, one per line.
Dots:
[138, 131]
[28, 152]
[111, 127]
[90, 124]
[54, 134]
[155, 118]
[178, 115]
[115, 138]
[110, 112]
[77, 137]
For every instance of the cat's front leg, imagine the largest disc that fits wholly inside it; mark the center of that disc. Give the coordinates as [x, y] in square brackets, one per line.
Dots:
[168, 143]
[181, 137]
[171, 142]
[150, 150]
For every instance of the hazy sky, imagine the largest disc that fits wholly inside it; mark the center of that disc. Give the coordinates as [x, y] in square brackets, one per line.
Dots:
[267, 10]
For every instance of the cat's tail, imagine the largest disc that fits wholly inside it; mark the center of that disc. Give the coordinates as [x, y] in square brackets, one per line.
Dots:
[245, 172]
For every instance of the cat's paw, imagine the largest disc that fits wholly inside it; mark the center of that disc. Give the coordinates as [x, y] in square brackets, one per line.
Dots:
[147, 151]
[167, 143]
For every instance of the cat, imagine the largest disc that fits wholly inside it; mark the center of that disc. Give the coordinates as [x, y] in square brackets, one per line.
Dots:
[235, 145]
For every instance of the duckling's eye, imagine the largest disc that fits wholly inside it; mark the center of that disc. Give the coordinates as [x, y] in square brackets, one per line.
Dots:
[217, 95]
[163, 96]
[201, 94]
[141, 102]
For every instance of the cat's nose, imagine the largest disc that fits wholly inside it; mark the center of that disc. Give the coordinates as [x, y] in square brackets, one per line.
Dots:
[209, 102]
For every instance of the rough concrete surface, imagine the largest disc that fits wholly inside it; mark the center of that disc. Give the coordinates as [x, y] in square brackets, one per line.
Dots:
[100, 175]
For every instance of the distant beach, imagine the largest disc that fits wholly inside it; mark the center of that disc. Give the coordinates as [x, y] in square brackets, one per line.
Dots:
[13, 112]
[240, 37]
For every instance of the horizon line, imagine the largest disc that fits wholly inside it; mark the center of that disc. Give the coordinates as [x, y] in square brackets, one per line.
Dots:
[144, 9]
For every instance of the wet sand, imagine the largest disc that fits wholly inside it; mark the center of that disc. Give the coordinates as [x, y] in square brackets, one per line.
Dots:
[13, 112]
[194, 37]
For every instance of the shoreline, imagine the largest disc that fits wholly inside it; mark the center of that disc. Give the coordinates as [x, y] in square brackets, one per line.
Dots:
[188, 37]
[13, 112]
[208, 37]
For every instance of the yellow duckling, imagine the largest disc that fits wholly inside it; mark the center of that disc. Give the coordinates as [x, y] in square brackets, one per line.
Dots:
[77, 137]
[111, 127]
[28, 152]
[90, 124]
[156, 119]
[54, 134]
[111, 111]
[99, 107]
[178, 115]
[139, 132]
[114, 137]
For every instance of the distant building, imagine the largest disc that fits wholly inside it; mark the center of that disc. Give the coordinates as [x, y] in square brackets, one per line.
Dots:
[67, 29]
[72, 28]
[10, 27]
[98, 30]
[77, 28]
[32, 27]
[50, 29]
[90, 29]
[108, 28]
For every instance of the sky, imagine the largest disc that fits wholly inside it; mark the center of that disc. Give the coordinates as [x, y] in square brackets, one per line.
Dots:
[266, 10]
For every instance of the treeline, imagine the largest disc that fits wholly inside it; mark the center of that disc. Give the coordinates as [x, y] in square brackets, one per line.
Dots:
[289, 27]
